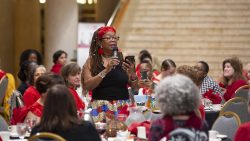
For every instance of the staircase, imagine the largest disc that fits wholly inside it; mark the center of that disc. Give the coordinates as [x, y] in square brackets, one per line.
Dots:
[188, 30]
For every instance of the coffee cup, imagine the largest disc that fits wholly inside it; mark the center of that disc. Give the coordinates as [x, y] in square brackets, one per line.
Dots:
[217, 107]
[5, 135]
[213, 134]
[141, 132]
[13, 130]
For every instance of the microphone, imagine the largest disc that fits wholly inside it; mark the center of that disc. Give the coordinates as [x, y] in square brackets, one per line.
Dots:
[115, 52]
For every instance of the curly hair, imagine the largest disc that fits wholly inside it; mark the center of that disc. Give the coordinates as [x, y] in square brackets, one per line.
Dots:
[237, 65]
[177, 95]
[26, 54]
[190, 72]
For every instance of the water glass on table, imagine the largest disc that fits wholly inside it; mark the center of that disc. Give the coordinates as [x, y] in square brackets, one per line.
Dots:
[21, 130]
[30, 122]
[100, 127]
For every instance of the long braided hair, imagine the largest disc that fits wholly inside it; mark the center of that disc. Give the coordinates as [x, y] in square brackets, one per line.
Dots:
[95, 58]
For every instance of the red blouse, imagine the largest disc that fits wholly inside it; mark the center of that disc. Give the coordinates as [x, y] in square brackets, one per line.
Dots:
[167, 124]
[243, 132]
[30, 96]
[2, 74]
[36, 109]
[56, 68]
[230, 89]
[79, 104]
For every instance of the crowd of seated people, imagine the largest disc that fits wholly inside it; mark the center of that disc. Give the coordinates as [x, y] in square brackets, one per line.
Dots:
[108, 77]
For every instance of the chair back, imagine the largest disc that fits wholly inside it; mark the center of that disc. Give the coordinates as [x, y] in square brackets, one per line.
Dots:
[242, 92]
[227, 124]
[45, 136]
[3, 124]
[239, 106]
[3, 87]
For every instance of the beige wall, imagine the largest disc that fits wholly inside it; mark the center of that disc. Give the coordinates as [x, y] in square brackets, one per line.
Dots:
[20, 28]
[27, 27]
[7, 35]
[105, 9]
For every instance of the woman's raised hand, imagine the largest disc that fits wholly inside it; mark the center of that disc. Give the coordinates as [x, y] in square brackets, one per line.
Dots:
[129, 68]
[112, 62]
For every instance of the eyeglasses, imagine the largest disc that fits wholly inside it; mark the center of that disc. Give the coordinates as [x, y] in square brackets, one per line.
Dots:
[110, 38]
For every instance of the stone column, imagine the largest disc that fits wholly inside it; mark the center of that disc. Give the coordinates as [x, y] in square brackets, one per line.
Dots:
[61, 20]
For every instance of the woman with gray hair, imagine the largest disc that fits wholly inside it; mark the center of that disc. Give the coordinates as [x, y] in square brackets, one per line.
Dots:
[178, 98]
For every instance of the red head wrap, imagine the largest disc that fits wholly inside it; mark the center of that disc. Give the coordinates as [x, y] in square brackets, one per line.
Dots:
[105, 29]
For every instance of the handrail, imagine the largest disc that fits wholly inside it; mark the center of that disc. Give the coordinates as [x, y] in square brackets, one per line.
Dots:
[118, 12]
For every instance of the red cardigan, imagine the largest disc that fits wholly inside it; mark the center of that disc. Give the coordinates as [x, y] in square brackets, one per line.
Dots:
[230, 89]
[243, 132]
[79, 104]
[167, 124]
[56, 68]
[30, 96]
[36, 109]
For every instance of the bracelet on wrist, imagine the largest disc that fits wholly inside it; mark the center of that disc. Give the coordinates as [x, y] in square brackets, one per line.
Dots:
[102, 74]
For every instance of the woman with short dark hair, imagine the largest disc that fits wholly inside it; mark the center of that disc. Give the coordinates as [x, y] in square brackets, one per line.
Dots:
[31, 95]
[59, 59]
[71, 74]
[60, 117]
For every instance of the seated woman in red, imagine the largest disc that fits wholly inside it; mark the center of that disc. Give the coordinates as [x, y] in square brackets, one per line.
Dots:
[168, 67]
[232, 77]
[59, 59]
[71, 74]
[31, 95]
[179, 99]
[43, 83]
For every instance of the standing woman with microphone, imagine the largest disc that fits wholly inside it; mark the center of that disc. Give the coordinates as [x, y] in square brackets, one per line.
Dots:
[107, 75]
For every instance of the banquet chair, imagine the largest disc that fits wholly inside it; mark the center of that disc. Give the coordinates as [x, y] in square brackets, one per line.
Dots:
[3, 124]
[242, 91]
[3, 87]
[46, 136]
[227, 124]
[239, 106]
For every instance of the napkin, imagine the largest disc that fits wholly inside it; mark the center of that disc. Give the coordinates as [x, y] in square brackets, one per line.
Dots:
[133, 127]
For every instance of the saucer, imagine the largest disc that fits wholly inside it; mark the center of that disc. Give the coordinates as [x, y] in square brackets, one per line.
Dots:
[221, 136]
[13, 134]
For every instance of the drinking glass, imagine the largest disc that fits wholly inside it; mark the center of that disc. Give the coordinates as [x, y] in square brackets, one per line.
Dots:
[100, 127]
[21, 130]
[30, 122]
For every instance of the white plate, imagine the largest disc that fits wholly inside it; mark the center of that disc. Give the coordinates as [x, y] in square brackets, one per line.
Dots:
[156, 111]
[13, 134]
[221, 136]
